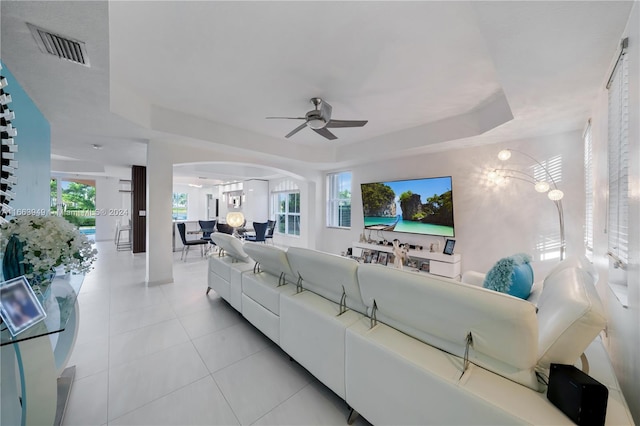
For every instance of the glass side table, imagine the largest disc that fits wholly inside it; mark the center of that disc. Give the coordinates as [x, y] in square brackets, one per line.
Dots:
[35, 381]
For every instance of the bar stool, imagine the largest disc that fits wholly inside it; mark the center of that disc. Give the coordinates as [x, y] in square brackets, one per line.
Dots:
[120, 244]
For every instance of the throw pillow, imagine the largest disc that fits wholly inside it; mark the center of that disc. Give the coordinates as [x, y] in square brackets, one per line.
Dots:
[512, 275]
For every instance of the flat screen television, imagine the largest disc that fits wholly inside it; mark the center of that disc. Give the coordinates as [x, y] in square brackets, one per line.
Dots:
[417, 206]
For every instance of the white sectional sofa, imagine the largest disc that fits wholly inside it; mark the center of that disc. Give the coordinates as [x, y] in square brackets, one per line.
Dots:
[408, 348]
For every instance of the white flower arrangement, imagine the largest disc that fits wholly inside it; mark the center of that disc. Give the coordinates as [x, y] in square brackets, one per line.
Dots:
[49, 242]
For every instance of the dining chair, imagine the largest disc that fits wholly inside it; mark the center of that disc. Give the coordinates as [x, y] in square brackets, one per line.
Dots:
[224, 228]
[260, 229]
[186, 244]
[207, 227]
[270, 230]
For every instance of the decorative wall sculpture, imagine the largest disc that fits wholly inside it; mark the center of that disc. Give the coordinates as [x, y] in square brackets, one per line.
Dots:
[8, 180]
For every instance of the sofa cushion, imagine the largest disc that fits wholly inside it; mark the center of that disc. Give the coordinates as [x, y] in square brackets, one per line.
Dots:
[263, 288]
[271, 259]
[442, 312]
[231, 246]
[512, 275]
[327, 275]
[580, 262]
[570, 316]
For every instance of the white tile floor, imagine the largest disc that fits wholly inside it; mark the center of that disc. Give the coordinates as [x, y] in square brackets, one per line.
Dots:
[170, 355]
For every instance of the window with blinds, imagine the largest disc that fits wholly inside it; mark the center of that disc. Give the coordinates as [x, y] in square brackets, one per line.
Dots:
[588, 189]
[285, 207]
[339, 200]
[618, 141]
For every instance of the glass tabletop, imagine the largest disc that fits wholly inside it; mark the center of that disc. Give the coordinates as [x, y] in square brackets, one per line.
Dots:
[59, 301]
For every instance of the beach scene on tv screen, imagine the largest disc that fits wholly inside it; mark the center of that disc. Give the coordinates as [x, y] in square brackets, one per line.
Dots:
[420, 206]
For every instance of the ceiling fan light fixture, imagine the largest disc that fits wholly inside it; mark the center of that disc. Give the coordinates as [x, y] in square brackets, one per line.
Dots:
[316, 123]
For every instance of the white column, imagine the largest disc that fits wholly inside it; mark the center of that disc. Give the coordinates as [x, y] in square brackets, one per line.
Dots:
[159, 221]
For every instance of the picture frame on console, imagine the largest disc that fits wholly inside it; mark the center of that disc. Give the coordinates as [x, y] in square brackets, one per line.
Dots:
[425, 267]
[366, 256]
[448, 247]
[383, 258]
[19, 306]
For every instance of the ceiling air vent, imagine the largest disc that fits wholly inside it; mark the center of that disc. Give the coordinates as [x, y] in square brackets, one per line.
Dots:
[60, 46]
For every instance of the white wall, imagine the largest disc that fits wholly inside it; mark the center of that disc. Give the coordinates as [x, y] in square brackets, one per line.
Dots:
[490, 223]
[256, 203]
[109, 200]
[623, 337]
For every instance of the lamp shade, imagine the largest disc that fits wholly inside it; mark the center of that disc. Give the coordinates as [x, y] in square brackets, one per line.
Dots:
[500, 180]
[555, 195]
[542, 186]
[235, 219]
[504, 155]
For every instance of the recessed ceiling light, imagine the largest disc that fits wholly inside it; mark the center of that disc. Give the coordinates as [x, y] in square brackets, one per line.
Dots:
[195, 186]
[96, 146]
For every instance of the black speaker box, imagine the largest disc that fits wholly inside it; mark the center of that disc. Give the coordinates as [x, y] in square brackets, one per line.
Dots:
[582, 398]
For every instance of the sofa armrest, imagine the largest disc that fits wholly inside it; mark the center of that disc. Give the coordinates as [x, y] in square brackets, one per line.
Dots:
[473, 278]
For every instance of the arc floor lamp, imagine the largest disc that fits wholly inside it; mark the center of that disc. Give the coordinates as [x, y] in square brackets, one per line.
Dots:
[501, 176]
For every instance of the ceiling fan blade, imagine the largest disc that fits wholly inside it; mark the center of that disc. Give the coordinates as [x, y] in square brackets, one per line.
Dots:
[324, 132]
[325, 110]
[346, 123]
[296, 130]
[285, 118]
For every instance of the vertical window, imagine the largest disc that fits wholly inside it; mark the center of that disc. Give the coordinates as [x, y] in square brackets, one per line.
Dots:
[619, 162]
[618, 149]
[179, 210]
[53, 204]
[588, 190]
[287, 212]
[339, 200]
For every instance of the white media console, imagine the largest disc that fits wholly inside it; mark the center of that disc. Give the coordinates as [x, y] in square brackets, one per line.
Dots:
[439, 263]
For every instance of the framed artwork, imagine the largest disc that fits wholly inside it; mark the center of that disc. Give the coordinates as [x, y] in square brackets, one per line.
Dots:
[19, 307]
[383, 258]
[424, 267]
[374, 257]
[366, 256]
[448, 246]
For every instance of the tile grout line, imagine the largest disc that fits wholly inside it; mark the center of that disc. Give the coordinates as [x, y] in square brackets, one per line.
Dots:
[274, 408]
[155, 399]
